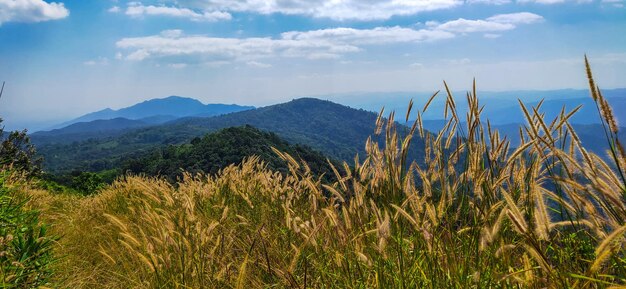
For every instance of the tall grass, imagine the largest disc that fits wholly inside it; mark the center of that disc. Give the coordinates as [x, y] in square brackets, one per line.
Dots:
[477, 214]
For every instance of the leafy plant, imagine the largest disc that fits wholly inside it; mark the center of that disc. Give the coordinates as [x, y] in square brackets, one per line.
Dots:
[25, 246]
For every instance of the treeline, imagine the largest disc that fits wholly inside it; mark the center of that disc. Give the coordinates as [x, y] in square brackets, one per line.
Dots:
[338, 131]
[213, 152]
[208, 154]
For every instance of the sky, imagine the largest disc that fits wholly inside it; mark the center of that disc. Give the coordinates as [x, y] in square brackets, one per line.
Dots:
[66, 58]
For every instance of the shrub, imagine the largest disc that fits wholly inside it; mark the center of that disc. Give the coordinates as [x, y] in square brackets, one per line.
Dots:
[25, 247]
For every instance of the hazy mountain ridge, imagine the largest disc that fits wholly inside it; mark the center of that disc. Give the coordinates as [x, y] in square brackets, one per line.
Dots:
[93, 129]
[336, 130]
[591, 135]
[500, 107]
[172, 106]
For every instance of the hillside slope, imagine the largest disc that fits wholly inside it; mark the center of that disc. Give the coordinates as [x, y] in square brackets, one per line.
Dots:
[215, 151]
[336, 130]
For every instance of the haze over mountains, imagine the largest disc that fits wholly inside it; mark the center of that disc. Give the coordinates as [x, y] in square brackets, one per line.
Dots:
[109, 122]
[100, 140]
[336, 130]
[500, 107]
[160, 110]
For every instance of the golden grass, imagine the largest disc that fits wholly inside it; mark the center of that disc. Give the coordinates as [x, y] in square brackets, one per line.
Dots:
[476, 214]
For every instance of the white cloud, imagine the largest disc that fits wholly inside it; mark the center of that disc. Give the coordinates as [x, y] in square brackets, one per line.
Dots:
[500, 22]
[416, 65]
[136, 9]
[466, 26]
[114, 9]
[550, 2]
[258, 64]
[341, 10]
[138, 55]
[178, 65]
[491, 35]
[31, 11]
[378, 35]
[541, 1]
[98, 61]
[206, 49]
[317, 44]
[516, 18]
[489, 2]
[172, 33]
[173, 45]
[333, 9]
[215, 64]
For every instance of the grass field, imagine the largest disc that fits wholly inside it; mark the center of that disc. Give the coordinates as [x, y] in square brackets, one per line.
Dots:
[478, 214]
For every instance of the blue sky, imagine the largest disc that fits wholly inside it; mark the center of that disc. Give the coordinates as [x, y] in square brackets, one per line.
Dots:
[63, 59]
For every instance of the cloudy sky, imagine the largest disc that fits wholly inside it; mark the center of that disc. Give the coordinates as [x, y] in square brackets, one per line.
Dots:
[62, 59]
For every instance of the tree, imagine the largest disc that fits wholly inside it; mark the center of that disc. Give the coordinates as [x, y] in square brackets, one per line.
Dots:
[16, 150]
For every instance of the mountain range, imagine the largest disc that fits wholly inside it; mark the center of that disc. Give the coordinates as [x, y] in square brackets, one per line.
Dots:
[338, 131]
[500, 107]
[159, 110]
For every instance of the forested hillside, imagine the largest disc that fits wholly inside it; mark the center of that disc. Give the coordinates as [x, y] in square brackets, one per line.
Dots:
[338, 131]
[213, 152]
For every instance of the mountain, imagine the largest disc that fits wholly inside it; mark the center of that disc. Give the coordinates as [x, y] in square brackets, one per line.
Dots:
[500, 107]
[96, 129]
[92, 129]
[217, 150]
[100, 125]
[588, 113]
[336, 130]
[591, 135]
[173, 107]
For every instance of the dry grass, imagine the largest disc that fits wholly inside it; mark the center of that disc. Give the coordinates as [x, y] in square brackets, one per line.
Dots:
[477, 214]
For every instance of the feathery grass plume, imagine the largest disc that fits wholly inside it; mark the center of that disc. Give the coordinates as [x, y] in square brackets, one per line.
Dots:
[430, 100]
[408, 110]
[607, 113]
[592, 84]
[241, 276]
[379, 122]
[604, 249]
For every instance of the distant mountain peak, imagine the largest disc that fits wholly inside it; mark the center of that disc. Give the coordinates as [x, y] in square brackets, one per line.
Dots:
[171, 98]
[312, 100]
[174, 106]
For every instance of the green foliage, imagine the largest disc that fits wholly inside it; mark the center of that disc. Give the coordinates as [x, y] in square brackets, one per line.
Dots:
[17, 152]
[213, 152]
[77, 182]
[25, 246]
[335, 130]
[86, 183]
